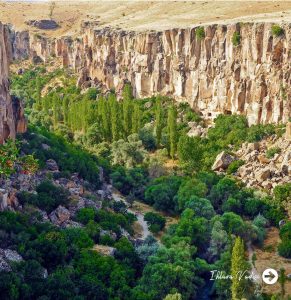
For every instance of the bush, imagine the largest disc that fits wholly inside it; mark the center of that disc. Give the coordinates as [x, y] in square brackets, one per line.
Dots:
[284, 249]
[277, 30]
[282, 193]
[236, 38]
[48, 197]
[161, 193]
[200, 33]
[233, 167]
[258, 132]
[84, 215]
[272, 151]
[156, 221]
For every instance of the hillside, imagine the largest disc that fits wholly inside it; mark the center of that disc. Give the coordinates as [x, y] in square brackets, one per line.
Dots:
[145, 150]
[143, 15]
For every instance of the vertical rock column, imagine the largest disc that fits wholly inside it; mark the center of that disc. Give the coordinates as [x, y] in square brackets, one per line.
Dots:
[11, 112]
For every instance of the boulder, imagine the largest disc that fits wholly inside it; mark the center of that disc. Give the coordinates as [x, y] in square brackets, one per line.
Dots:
[252, 147]
[12, 255]
[43, 24]
[286, 164]
[104, 250]
[45, 147]
[94, 204]
[223, 160]
[263, 174]
[263, 159]
[4, 266]
[52, 165]
[60, 215]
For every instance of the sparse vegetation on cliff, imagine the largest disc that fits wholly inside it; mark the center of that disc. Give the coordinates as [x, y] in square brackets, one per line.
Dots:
[236, 38]
[277, 30]
[200, 33]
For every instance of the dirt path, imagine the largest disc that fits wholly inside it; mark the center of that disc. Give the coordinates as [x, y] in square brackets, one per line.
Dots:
[253, 268]
[144, 229]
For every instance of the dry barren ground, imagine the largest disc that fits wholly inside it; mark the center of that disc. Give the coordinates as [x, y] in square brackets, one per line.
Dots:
[142, 15]
[269, 258]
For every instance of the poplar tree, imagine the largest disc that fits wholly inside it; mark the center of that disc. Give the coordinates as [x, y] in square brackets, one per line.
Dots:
[38, 94]
[127, 114]
[127, 109]
[159, 120]
[172, 130]
[136, 121]
[115, 118]
[238, 266]
[56, 110]
[65, 103]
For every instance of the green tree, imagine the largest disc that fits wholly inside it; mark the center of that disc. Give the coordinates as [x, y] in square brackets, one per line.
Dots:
[136, 118]
[159, 122]
[190, 153]
[172, 131]
[238, 265]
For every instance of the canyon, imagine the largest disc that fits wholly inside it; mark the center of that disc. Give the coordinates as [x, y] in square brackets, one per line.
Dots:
[212, 74]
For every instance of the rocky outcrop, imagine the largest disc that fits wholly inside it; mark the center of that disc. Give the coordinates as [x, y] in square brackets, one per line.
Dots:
[260, 171]
[43, 24]
[222, 161]
[12, 118]
[6, 257]
[212, 74]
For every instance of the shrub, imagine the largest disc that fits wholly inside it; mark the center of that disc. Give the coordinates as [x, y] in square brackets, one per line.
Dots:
[233, 167]
[84, 215]
[156, 221]
[236, 38]
[272, 151]
[200, 33]
[277, 30]
[284, 249]
[258, 132]
[282, 193]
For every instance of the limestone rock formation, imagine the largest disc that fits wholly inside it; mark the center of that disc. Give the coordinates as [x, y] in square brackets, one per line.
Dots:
[43, 24]
[212, 74]
[223, 160]
[12, 118]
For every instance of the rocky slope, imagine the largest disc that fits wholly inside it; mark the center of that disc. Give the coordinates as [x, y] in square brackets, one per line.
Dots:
[212, 74]
[11, 111]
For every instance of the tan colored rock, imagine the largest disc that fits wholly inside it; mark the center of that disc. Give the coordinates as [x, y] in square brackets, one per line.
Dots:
[223, 160]
[263, 174]
[60, 215]
[211, 74]
[11, 111]
[263, 159]
[288, 131]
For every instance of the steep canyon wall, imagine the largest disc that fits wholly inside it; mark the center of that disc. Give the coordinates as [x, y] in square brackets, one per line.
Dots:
[11, 111]
[212, 74]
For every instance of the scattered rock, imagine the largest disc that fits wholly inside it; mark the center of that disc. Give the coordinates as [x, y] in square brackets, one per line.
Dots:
[263, 159]
[263, 174]
[105, 250]
[43, 24]
[52, 165]
[45, 147]
[223, 160]
[6, 256]
[60, 215]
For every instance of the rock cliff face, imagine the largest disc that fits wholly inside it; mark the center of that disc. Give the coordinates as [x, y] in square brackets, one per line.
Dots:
[212, 74]
[11, 111]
